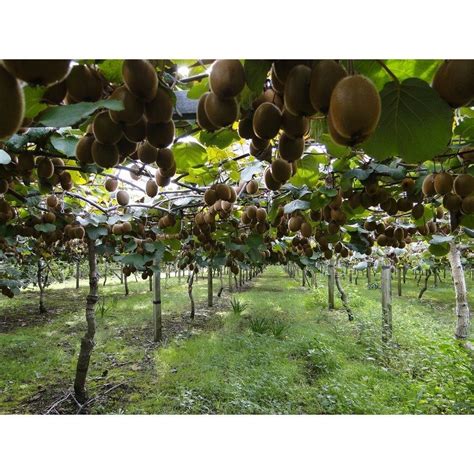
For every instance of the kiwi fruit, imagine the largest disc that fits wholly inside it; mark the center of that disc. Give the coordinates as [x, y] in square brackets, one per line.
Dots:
[295, 126]
[169, 172]
[40, 72]
[355, 108]
[270, 182]
[443, 183]
[210, 197]
[147, 153]
[281, 68]
[251, 187]
[45, 167]
[151, 188]
[65, 179]
[111, 184]
[467, 154]
[261, 215]
[123, 198]
[407, 184]
[160, 135]
[418, 211]
[140, 78]
[221, 112]
[267, 121]
[296, 95]
[306, 230]
[12, 104]
[428, 187]
[324, 77]
[454, 81]
[227, 78]
[201, 116]
[467, 205]
[294, 223]
[133, 107]
[3, 186]
[160, 109]
[48, 217]
[452, 202]
[84, 84]
[26, 162]
[126, 148]
[404, 204]
[117, 229]
[105, 130]
[55, 94]
[464, 185]
[270, 96]
[106, 156]
[290, 149]
[338, 138]
[135, 132]
[161, 180]
[223, 192]
[246, 128]
[281, 170]
[165, 158]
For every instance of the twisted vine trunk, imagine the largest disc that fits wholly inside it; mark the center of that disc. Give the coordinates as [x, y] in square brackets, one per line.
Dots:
[41, 284]
[87, 341]
[343, 295]
[157, 319]
[190, 294]
[462, 306]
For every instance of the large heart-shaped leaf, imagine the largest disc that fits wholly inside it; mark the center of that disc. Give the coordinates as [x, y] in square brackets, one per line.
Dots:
[188, 154]
[256, 71]
[68, 115]
[416, 124]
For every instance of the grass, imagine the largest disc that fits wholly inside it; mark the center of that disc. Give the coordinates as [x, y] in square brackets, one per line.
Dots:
[286, 353]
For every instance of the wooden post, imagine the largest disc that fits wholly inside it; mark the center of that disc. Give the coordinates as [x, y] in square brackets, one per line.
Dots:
[369, 275]
[209, 285]
[399, 280]
[331, 281]
[78, 273]
[157, 321]
[386, 303]
[303, 279]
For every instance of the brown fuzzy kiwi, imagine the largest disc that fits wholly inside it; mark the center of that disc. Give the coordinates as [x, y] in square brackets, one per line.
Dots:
[221, 112]
[83, 84]
[161, 180]
[210, 197]
[418, 211]
[147, 153]
[223, 192]
[428, 185]
[246, 128]
[290, 149]
[12, 104]
[296, 95]
[306, 230]
[169, 172]
[407, 184]
[105, 130]
[267, 121]
[133, 107]
[467, 154]
[382, 240]
[126, 148]
[227, 78]
[26, 162]
[452, 202]
[467, 205]
[233, 194]
[269, 95]
[324, 77]
[111, 184]
[355, 108]
[135, 132]
[106, 156]
[281, 68]
[160, 109]
[339, 139]
[40, 72]
[404, 204]
[251, 187]
[454, 82]
[123, 198]
[140, 78]
[45, 167]
[165, 158]
[281, 170]
[65, 180]
[251, 212]
[294, 126]
[261, 215]
[201, 116]
[160, 135]
[354, 201]
[151, 188]
[134, 172]
[270, 182]
[117, 229]
[55, 94]
[294, 224]
[464, 185]
[443, 183]
[3, 186]
[398, 233]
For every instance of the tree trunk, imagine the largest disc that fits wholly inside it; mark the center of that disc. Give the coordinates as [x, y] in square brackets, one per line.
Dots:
[209, 286]
[462, 306]
[331, 281]
[190, 294]
[386, 303]
[399, 280]
[39, 274]
[221, 289]
[125, 282]
[87, 341]
[343, 296]
[369, 275]
[425, 287]
[78, 273]
[157, 323]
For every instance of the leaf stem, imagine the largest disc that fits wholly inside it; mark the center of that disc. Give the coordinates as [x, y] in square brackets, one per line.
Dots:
[388, 71]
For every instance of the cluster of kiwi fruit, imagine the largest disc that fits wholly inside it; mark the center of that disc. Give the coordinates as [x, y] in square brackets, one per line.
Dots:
[122, 228]
[256, 218]
[454, 82]
[219, 198]
[457, 191]
[168, 220]
[219, 107]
